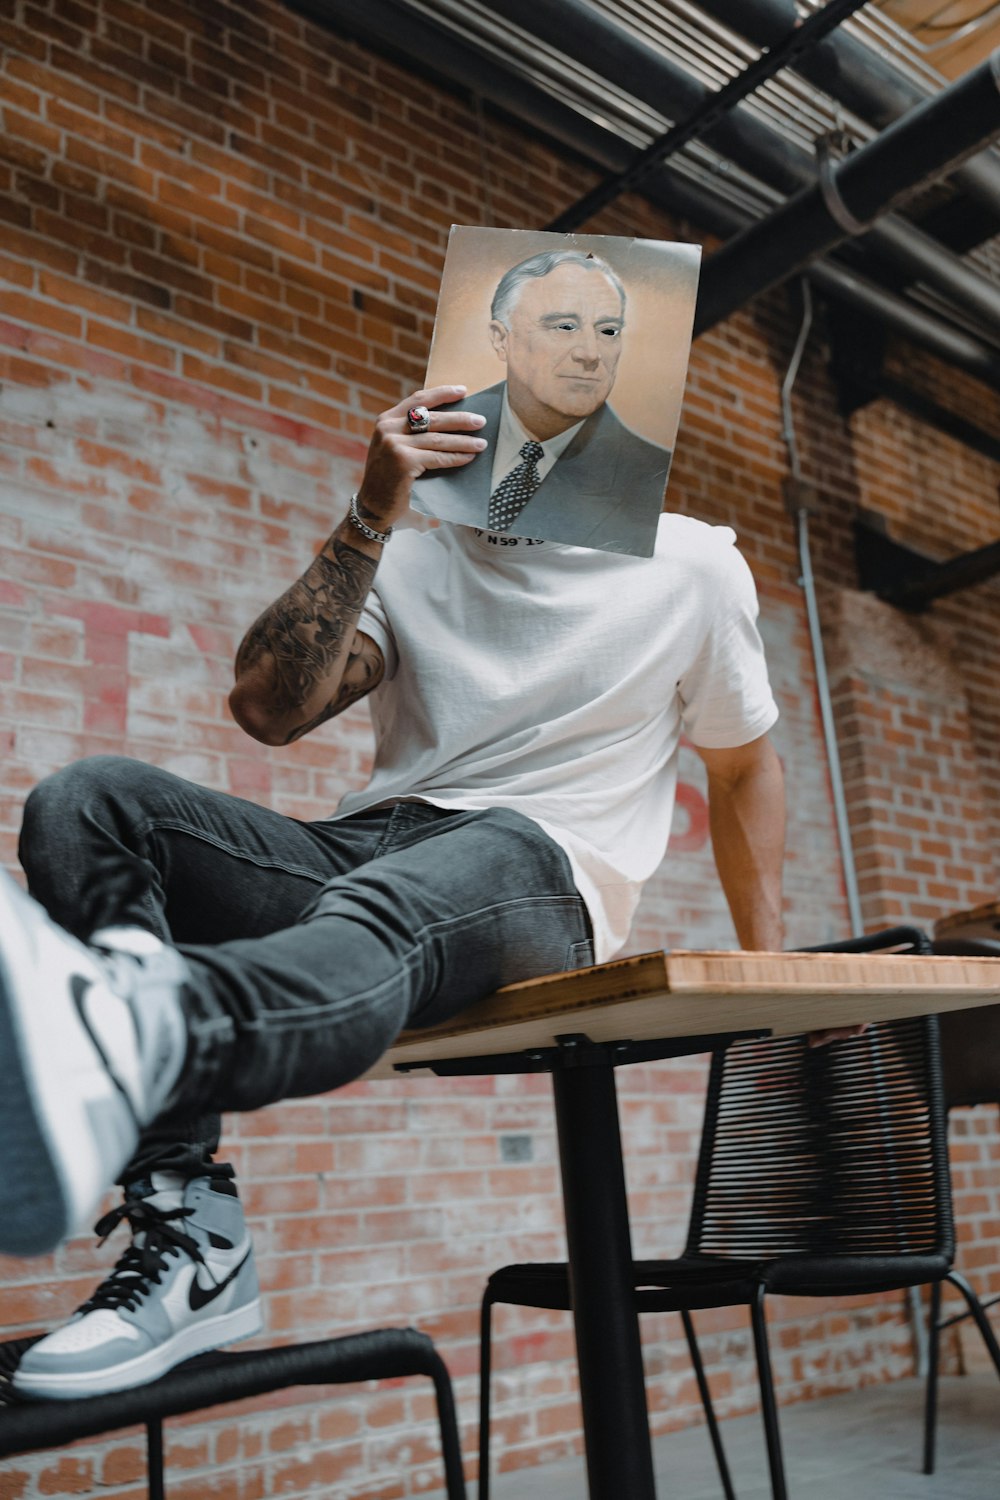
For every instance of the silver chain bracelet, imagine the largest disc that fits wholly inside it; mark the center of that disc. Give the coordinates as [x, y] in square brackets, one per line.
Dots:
[368, 531]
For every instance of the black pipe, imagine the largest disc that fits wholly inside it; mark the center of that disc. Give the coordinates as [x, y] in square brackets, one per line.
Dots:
[856, 75]
[953, 345]
[687, 200]
[926, 144]
[800, 39]
[613, 53]
[394, 30]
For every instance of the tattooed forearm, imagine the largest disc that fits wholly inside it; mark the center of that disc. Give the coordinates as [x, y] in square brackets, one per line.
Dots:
[305, 631]
[365, 670]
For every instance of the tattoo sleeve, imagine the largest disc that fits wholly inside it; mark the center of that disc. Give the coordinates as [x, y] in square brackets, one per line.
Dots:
[308, 630]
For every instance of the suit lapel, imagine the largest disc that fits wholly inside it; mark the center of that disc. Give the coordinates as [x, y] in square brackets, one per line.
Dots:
[586, 470]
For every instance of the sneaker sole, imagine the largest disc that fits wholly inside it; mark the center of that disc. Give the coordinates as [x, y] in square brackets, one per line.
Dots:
[50, 1173]
[199, 1338]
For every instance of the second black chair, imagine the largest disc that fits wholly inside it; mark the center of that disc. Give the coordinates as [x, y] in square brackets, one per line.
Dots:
[970, 1067]
[822, 1172]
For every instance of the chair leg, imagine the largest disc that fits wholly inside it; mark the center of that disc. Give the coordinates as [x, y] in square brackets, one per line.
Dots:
[768, 1404]
[931, 1391]
[706, 1401]
[154, 1459]
[451, 1448]
[484, 1395]
[982, 1322]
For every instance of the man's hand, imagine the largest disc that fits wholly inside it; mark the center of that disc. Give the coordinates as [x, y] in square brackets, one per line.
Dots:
[836, 1034]
[397, 456]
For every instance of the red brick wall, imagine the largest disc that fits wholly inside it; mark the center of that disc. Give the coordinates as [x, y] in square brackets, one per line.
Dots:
[222, 230]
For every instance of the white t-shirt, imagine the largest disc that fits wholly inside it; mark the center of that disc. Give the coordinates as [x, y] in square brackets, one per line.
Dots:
[557, 681]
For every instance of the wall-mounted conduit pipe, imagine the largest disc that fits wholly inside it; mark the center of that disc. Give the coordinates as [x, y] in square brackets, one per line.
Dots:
[797, 493]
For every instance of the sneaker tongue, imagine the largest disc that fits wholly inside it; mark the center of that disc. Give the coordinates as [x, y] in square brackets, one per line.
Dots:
[162, 1190]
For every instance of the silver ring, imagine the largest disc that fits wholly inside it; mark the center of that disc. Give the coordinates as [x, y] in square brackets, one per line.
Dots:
[418, 419]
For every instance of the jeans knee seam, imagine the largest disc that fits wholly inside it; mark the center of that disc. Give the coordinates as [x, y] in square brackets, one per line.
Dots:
[407, 959]
[165, 825]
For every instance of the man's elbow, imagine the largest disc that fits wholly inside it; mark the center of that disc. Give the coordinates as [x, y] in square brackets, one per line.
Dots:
[253, 719]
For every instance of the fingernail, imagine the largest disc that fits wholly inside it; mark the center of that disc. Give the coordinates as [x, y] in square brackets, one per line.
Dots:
[481, 442]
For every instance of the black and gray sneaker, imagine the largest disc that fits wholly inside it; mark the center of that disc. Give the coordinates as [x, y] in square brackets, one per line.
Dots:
[186, 1284]
[91, 1044]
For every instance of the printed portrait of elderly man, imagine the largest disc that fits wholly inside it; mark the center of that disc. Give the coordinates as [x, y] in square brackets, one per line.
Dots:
[561, 465]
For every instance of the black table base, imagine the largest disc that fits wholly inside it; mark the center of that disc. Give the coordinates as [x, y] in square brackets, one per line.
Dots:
[609, 1352]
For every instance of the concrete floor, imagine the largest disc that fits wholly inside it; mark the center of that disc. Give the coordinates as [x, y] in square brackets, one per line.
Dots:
[862, 1446]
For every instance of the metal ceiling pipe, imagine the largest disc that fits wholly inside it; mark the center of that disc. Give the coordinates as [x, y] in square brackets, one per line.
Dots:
[925, 144]
[857, 76]
[720, 102]
[389, 28]
[418, 44]
[612, 52]
[951, 345]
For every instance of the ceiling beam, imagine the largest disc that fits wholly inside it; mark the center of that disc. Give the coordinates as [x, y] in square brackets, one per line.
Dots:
[394, 30]
[613, 53]
[864, 80]
[927, 143]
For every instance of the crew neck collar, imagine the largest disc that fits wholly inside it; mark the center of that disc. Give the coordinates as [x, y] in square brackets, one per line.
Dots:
[500, 544]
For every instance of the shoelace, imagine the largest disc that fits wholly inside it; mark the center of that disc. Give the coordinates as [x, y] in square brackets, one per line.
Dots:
[141, 1266]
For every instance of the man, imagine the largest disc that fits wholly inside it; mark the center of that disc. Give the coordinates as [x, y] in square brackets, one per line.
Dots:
[561, 465]
[201, 953]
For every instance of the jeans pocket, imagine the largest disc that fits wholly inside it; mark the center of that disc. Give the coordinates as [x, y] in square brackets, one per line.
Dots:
[579, 955]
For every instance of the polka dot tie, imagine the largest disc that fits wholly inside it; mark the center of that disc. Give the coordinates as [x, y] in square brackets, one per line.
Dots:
[515, 489]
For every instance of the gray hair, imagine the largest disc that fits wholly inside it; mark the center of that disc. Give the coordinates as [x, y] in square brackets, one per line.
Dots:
[510, 284]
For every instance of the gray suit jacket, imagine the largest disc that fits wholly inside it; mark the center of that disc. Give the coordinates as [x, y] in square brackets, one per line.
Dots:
[605, 491]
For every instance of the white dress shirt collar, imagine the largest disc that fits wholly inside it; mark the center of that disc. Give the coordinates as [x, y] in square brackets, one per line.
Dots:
[511, 437]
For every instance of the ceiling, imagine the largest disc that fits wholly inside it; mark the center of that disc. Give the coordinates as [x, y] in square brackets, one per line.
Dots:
[949, 35]
[607, 78]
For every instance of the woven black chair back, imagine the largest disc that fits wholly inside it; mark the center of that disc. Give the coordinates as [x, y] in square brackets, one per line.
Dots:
[828, 1151]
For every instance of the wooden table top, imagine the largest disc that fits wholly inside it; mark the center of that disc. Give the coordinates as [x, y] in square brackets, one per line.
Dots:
[662, 995]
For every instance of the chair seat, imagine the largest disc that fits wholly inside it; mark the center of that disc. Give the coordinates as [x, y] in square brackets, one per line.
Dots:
[208, 1380]
[694, 1282]
[833, 1275]
[661, 1286]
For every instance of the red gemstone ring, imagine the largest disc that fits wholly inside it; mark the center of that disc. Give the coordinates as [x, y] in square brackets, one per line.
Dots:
[418, 419]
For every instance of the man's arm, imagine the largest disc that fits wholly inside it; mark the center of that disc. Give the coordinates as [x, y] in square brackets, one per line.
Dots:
[304, 660]
[746, 806]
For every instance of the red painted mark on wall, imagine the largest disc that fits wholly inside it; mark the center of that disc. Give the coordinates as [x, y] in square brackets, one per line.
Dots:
[691, 803]
[107, 628]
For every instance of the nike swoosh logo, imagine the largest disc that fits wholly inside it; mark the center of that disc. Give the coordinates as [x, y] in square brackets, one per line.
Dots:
[201, 1296]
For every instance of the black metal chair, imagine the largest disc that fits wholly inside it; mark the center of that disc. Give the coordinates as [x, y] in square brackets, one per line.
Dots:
[211, 1379]
[822, 1171]
[970, 1067]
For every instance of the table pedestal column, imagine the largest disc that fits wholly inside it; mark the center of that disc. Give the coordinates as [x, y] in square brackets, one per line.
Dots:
[612, 1388]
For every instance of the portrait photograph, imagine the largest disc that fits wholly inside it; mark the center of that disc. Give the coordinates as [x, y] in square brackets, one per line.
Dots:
[574, 347]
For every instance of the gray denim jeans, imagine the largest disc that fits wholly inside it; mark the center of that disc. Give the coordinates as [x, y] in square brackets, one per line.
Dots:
[311, 945]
